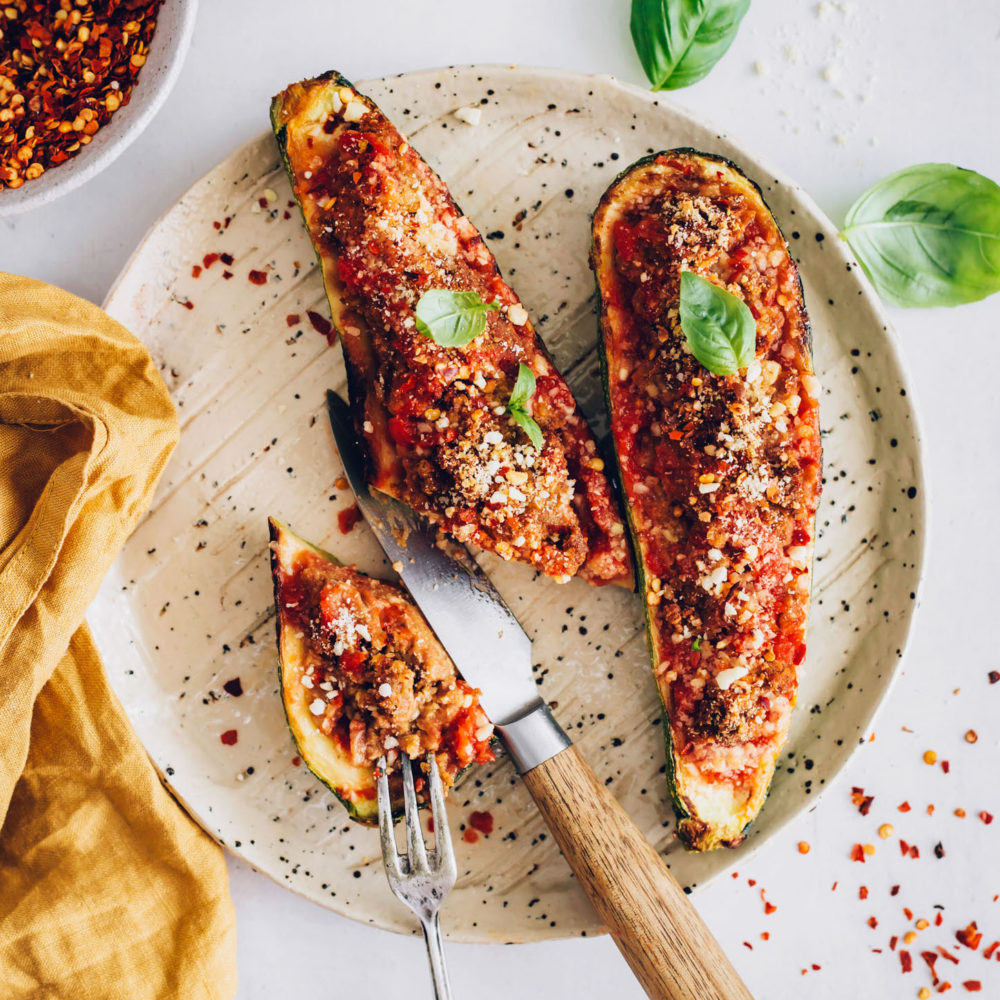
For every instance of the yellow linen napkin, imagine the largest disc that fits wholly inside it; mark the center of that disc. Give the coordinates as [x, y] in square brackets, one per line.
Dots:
[107, 888]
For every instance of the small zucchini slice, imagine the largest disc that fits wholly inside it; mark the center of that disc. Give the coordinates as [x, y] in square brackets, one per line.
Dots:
[436, 418]
[721, 474]
[362, 676]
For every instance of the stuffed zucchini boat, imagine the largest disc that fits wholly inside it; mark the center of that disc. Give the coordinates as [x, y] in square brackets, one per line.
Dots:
[438, 421]
[363, 676]
[721, 474]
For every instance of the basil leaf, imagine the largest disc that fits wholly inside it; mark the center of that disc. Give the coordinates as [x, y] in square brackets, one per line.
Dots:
[929, 235]
[719, 327]
[452, 319]
[524, 389]
[679, 41]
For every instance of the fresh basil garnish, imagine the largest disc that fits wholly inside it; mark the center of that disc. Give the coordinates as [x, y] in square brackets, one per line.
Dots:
[524, 389]
[929, 235]
[679, 41]
[452, 319]
[719, 327]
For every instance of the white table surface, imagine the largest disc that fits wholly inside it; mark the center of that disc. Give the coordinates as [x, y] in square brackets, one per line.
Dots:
[837, 95]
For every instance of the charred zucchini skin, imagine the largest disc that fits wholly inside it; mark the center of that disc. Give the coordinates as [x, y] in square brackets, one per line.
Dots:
[694, 833]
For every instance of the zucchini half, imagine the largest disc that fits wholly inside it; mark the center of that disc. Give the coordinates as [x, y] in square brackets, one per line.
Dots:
[720, 474]
[424, 707]
[433, 419]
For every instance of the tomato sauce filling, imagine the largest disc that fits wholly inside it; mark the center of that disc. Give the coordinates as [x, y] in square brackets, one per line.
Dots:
[376, 679]
[435, 418]
[722, 472]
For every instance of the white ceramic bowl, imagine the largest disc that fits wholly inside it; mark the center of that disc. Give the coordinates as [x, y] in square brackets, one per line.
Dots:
[175, 24]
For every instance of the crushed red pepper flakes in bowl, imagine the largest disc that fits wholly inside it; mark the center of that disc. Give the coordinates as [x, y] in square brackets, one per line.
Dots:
[65, 69]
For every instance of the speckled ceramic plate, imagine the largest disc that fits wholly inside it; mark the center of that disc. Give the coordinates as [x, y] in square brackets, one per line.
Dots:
[187, 608]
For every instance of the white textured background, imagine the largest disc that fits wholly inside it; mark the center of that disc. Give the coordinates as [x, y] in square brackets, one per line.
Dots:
[837, 95]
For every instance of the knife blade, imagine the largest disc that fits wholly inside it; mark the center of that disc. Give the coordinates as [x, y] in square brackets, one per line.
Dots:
[471, 620]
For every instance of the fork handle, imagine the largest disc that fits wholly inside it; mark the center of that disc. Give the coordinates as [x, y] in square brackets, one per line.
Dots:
[657, 929]
[435, 954]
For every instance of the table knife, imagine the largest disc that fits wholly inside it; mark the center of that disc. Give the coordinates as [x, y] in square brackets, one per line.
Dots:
[651, 920]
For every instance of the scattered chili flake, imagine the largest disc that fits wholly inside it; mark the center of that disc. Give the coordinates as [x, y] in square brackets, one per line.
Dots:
[227, 258]
[765, 935]
[930, 757]
[188, 304]
[858, 853]
[970, 936]
[971, 736]
[815, 967]
[481, 821]
[930, 957]
[944, 987]
[292, 319]
[233, 687]
[986, 817]
[208, 260]
[892, 942]
[944, 953]
[229, 737]
[930, 809]
[908, 913]
[195, 270]
[65, 69]
[939, 850]
[938, 920]
[862, 801]
[872, 922]
[988, 952]
[803, 847]
[347, 518]
[747, 944]
[894, 890]
[227, 275]
[751, 882]
[973, 985]
[216, 225]
[994, 676]
[945, 766]
[257, 277]
[960, 813]
[903, 807]
[320, 323]
[863, 892]
[470, 836]
[296, 761]
[905, 960]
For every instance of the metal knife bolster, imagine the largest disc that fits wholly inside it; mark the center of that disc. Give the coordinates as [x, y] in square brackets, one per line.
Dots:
[532, 738]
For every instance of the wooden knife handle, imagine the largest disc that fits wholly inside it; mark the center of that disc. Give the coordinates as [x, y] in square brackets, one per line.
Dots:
[654, 924]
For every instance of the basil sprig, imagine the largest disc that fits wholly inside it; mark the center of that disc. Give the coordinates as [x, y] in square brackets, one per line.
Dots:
[524, 389]
[452, 319]
[718, 326]
[929, 235]
[679, 41]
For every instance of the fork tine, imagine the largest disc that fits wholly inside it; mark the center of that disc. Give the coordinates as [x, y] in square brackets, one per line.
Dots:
[390, 856]
[416, 851]
[443, 851]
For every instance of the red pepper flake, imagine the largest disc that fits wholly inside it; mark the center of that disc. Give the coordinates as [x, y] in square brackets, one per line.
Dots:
[988, 952]
[872, 922]
[229, 737]
[903, 807]
[944, 987]
[972, 985]
[939, 850]
[905, 960]
[815, 967]
[227, 258]
[481, 821]
[970, 936]
[904, 847]
[930, 958]
[894, 891]
[292, 319]
[747, 944]
[765, 935]
[863, 892]
[986, 817]
[233, 687]
[296, 761]
[347, 518]
[908, 913]
[227, 275]
[751, 882]
[858, 853]
[195, 270]
[945, 766]
[938, 920]
[216, 225]
[833, 888]
[257, 277]
[286, 214]
[188, 304]
[470, 836]
[994, 676]
[944, 953]
[769, 908]
[208, 260]
[914, 851]
[892, 942]
[320, 323]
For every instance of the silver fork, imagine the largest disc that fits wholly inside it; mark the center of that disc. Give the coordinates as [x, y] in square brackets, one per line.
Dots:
[420, 878]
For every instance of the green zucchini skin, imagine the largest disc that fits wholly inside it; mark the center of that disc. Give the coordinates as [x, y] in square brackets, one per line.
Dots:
[694, 832]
